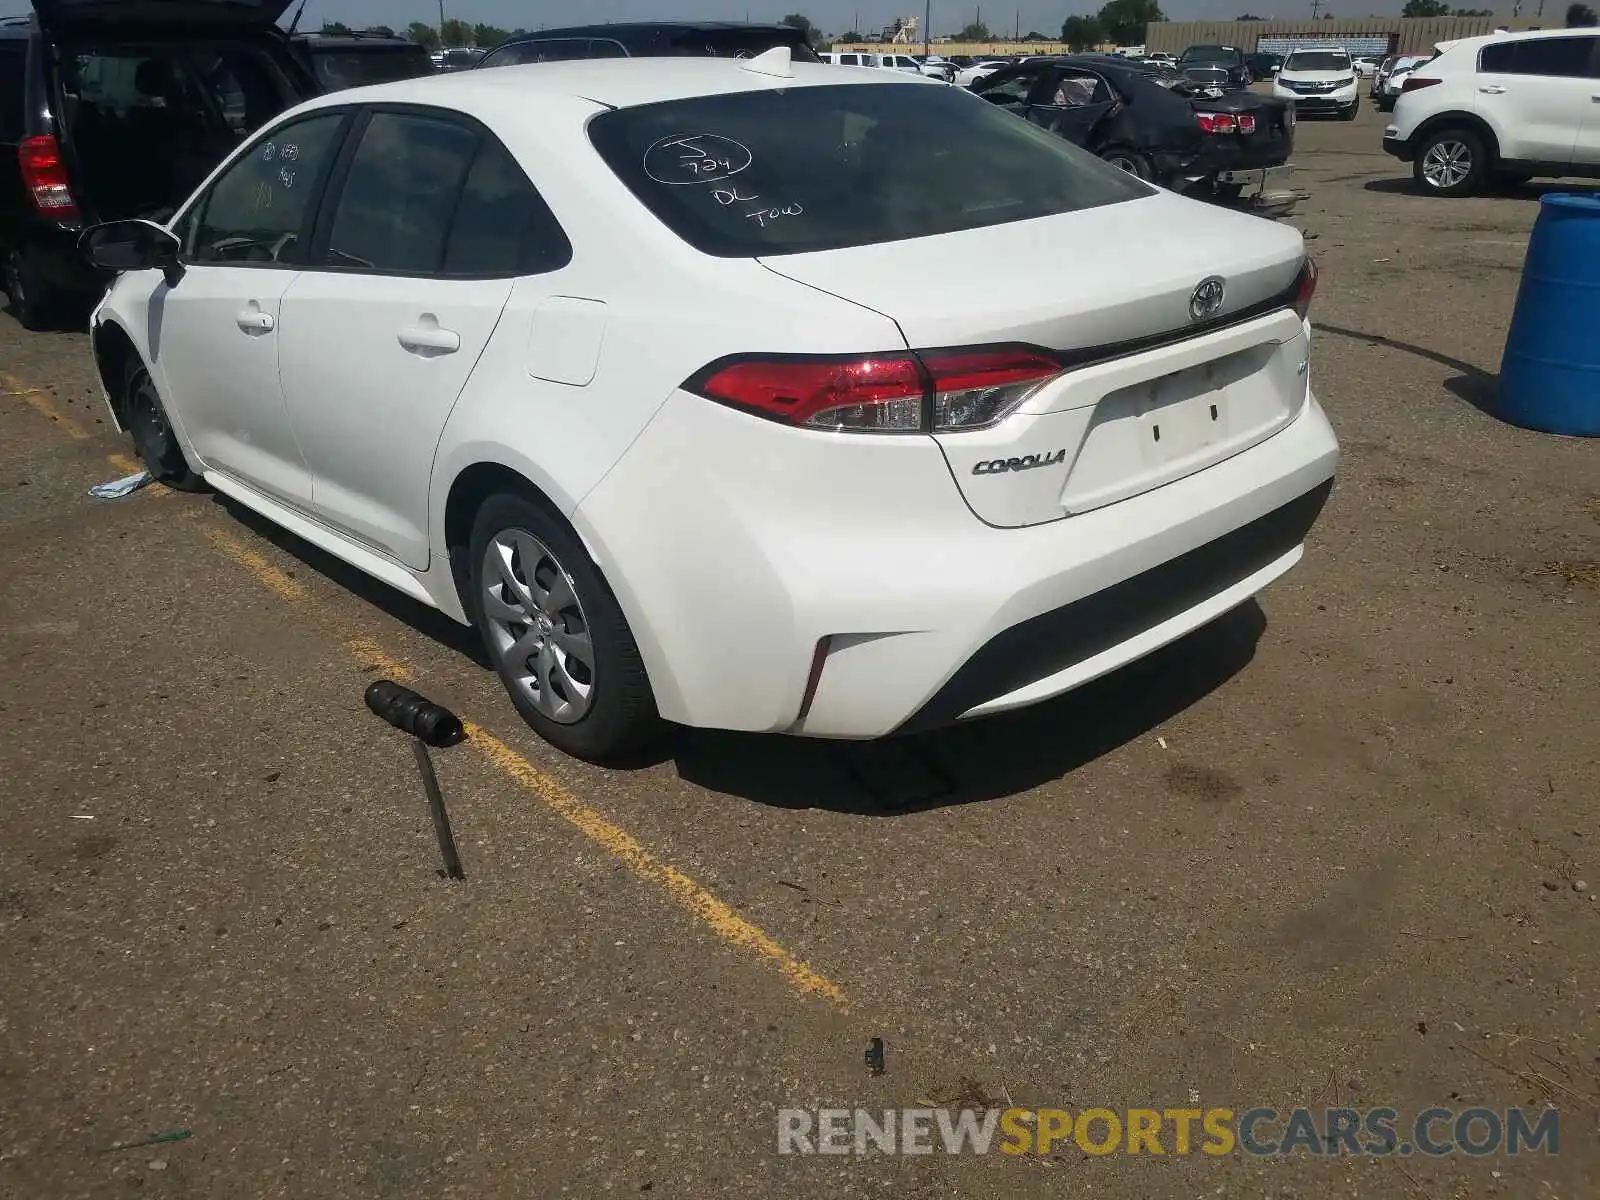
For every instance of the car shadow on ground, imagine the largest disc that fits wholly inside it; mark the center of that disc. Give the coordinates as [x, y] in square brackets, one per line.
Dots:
[425, 620]
[978, 760]
[1473, 385]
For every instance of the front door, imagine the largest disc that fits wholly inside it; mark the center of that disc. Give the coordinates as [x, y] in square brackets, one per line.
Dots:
[1536, 93]
[381, 333]
[214, 337]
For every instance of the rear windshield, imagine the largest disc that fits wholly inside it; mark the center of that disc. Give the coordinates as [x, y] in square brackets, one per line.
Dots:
[356, 68]
[819, 168]
[1318, 60]
[735, 43]
[1227, 55]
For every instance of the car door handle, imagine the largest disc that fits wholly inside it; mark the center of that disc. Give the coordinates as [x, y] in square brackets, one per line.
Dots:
[253, 320]
[1493, 89]
[428, 339]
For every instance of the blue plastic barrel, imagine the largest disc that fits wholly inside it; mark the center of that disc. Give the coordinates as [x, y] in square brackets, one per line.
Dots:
[1550, 374]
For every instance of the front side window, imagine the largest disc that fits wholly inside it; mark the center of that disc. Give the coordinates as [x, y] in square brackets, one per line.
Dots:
[818, 168]
[1563, 57]
[256, 211]
[1009, 91]
[393, 212]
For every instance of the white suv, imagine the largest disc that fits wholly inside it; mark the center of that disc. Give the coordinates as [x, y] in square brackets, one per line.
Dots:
[1501, 109]
[1319, 79]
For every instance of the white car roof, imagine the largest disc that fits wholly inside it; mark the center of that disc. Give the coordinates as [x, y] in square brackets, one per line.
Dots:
[615, 82]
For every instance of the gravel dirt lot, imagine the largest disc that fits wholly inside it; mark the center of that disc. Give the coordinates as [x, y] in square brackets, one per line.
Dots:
[1325, 851]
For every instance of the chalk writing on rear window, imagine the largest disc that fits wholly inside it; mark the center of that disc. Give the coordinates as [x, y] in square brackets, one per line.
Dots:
[690, 158]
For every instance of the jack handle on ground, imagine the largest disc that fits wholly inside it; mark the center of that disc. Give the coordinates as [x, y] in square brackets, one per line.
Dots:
[428, 724]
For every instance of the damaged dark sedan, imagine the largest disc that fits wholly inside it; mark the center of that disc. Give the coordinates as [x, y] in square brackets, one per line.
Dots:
[1159, 130]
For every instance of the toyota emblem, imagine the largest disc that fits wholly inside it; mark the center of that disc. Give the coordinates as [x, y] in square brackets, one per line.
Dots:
[1206, 299]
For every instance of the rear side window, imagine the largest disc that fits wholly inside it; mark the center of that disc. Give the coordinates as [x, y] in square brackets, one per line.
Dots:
[1567, 57]
[501, 226]
[393, 212]
[256, 210]
[818, 168]
[13, 74]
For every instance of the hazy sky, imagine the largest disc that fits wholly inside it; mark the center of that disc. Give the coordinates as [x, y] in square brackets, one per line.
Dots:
[832, 16]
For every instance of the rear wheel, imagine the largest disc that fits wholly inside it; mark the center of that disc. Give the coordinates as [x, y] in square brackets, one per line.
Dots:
[1127, 160]
[1451, 162]
[154, 439]
[555, 633]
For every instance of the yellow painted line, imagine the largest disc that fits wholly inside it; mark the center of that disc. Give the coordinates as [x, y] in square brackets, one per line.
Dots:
[38, 400]
[723, 920]
[715, 913]
[279, 582]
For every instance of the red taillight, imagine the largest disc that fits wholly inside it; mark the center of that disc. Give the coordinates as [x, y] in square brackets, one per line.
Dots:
[1247, 123]
[1412, 83]
[1217, 122]
[45, 177]
[1305, 288]
[889, 393]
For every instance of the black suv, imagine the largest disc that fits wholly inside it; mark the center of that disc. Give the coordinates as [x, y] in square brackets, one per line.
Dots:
[347, 60]
[121, 109]
[651, 39]
[1223, 66]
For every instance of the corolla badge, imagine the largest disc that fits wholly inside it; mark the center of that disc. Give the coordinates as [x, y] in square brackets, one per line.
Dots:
[1206, 299]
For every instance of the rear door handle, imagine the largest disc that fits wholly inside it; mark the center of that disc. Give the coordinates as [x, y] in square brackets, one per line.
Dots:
[253, 320]
[427, 339]
[1494, 89]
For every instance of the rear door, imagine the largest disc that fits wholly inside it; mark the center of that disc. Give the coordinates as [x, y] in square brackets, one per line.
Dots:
[1536, 93]
[1072, 105]
[416, 252]
[1586, 153]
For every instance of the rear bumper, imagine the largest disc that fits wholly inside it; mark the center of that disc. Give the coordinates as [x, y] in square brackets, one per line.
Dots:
[733, 569]
[1400, 147]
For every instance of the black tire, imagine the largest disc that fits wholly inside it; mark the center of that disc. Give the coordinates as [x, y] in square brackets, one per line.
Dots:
[620, 717]
[154, 439]
[1350, 113]
[31, 303]
[1130, 161]
[1385, 104]
[1444, 153]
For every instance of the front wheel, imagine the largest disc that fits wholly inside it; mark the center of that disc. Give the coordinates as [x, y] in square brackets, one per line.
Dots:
[555, 633]
[1386, 104]
[1130, 161]
[1349, 114]
[1451, 162]
[154, 439]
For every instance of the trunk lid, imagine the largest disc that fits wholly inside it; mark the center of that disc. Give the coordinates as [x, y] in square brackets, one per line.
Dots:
[1150, 393]
[65, 15]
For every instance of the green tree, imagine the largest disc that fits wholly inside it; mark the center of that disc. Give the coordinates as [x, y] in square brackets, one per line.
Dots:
[1249, 17]
[976, 31]
[803, 23]
[1082, 32]
[1425, 8]
[379, 30]
[1581, 16]
[1123, 21]
[853, 36]
[336, 29]
[455, 33]
[488, 35]
[423, 35]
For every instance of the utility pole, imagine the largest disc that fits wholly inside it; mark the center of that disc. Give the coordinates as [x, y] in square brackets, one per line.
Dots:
[1315, 4]
[927, 28]
[441, 23]
[1016, 32]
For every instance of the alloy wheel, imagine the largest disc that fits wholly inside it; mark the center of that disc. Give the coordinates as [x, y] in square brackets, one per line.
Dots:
[537, 627]
[1447, 163]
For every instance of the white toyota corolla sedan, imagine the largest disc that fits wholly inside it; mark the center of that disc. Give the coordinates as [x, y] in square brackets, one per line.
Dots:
[733, 393]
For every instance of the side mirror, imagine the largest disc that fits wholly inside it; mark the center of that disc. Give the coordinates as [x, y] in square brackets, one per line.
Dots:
[133, 246]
